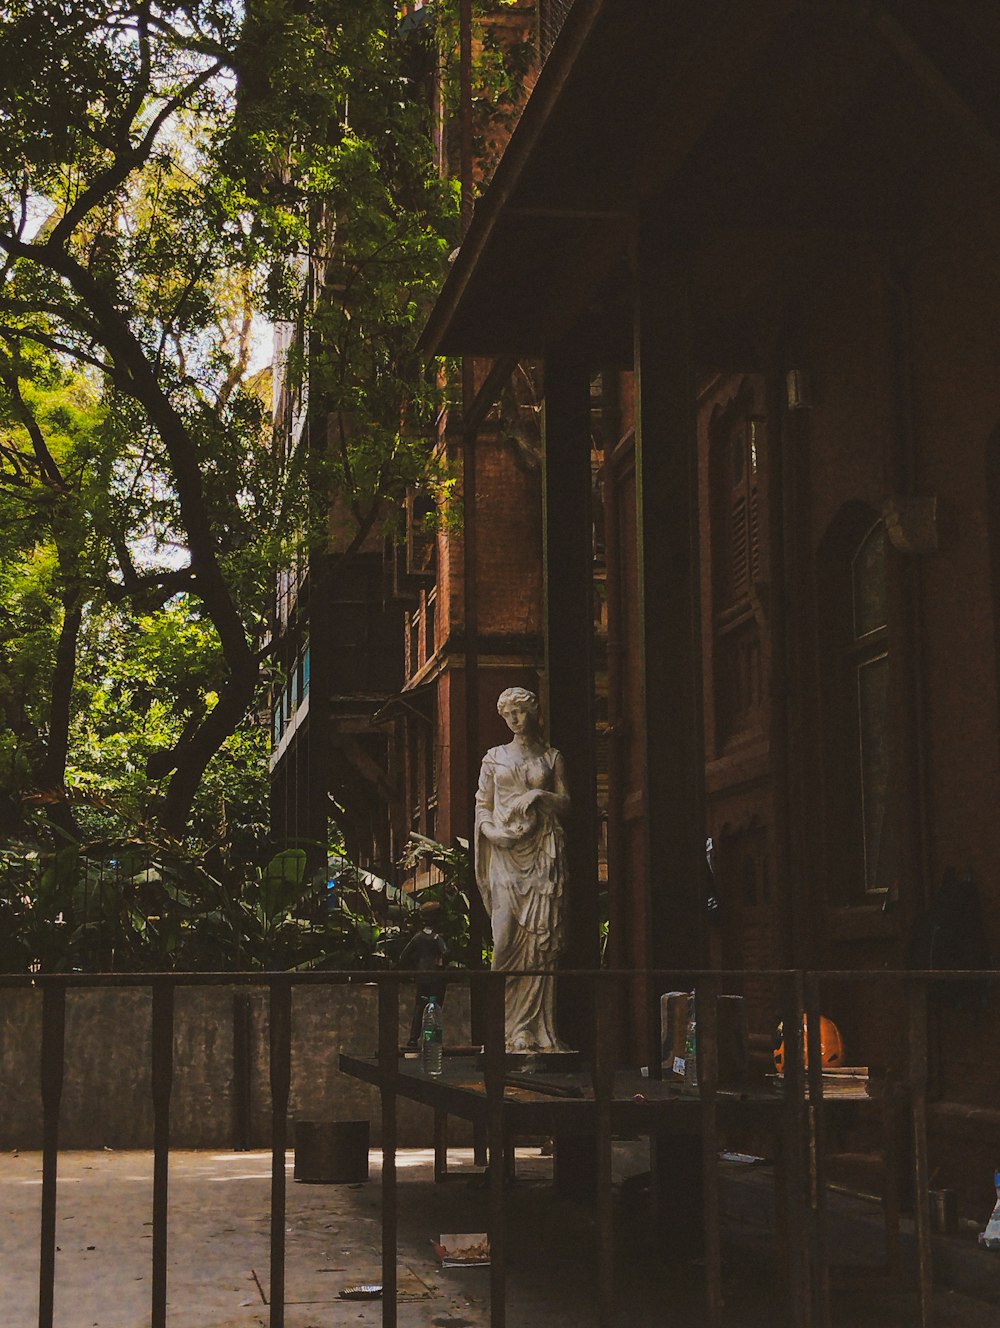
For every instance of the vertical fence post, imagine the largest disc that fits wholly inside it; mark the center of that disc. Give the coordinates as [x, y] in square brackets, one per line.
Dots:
[654, 1022]
[388, 1064]
[242, 1073]
[280, 1033]
[708, 1081]
[440, 1145]
[53, 1044]
[816, 1141]
[918, 1106]
[496, 1066]
[794, 1145]
[162, 1083]
[892, 1096]
[604, 1082]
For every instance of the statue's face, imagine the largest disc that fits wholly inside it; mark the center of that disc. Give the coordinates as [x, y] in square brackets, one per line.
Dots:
[520, 717]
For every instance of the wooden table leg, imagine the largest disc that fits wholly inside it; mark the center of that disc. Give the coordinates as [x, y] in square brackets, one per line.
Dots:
[440, 1145]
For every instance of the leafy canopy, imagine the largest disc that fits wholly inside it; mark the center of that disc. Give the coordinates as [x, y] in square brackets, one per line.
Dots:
[171, 174]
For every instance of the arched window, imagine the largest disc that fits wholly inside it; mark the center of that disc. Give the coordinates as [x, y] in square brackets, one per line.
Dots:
[854, 669]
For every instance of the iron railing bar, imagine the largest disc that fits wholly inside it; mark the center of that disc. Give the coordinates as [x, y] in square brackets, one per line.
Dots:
[707, 1009]
[162, 1084]
[654, 1019]
[891, 1198]
[440, 1145]
[388, 1058]
[817, 1141]
[917, 1011]
[604, 1078]
[53, 1049]
[495, 1076]
[370, 977]
[794, 1145]
[242, 1071]
[280, 1055]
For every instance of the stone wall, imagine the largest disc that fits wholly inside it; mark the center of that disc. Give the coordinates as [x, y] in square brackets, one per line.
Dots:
[106, 1099]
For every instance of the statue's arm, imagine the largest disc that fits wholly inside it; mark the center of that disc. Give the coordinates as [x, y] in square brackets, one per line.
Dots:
[559, 797]
[484, 820]
[487, 830]
[555, 799]
[485, 792]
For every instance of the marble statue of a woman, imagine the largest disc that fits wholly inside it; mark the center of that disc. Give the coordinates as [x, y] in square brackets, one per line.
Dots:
[521, 867]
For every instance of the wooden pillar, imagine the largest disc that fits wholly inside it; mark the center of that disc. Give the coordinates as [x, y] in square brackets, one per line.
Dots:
[669, 603]
[568, 554]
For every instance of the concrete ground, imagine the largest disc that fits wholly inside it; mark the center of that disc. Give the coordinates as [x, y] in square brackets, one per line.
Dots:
[218, 1250]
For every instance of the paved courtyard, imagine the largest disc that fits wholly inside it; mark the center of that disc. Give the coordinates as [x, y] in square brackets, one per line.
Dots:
[218, 1250]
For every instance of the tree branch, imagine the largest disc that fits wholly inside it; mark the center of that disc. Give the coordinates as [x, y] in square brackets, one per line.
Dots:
[152, 590]
[128, 160]
[142, 383]
[60, 347]
[53, 769]
[47, 465]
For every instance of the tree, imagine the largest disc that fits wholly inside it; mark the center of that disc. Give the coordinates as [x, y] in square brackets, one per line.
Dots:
[50, 551]
[166, 169]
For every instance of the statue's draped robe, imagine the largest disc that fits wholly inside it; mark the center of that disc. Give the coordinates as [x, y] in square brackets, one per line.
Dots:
[523, 885]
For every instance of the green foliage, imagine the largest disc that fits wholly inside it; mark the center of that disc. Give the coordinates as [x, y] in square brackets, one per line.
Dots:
[450, 887]
[168, 173]
[501, 65]
[131, 905]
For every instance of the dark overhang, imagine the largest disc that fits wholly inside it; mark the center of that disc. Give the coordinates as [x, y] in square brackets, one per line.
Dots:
[718, 117]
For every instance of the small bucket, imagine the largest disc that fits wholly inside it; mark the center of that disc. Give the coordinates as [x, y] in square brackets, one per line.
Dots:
[331, 1152]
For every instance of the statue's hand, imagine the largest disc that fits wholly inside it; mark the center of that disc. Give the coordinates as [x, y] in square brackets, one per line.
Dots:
[494, 834]
[503, 837]
[528, 800]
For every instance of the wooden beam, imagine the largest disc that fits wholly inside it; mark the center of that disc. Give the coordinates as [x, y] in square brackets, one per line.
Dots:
[923, 69]
[567, 541]
[669, 602]
[570, 213]
[489, 390]
[510, 168]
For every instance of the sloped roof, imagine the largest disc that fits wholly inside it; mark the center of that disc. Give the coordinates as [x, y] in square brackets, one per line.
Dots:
[704, 113]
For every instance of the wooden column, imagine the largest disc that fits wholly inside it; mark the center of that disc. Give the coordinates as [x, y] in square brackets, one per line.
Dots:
[567, 541]
[669, 602]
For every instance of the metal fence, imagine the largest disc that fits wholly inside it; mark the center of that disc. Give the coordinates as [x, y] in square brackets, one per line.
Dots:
[607, 1098]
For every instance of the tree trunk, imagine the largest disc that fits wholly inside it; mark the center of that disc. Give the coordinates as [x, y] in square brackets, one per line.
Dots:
[53, 771]
[193, 754]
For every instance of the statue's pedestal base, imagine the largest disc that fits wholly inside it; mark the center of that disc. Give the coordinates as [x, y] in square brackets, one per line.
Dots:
[541, 1062]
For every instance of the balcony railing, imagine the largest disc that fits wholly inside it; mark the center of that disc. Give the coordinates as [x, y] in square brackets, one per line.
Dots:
[608, 1096]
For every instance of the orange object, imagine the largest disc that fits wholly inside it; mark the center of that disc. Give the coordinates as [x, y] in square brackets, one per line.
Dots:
[831, 1044]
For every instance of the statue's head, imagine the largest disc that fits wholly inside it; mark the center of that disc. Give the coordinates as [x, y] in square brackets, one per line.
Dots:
[518, 699]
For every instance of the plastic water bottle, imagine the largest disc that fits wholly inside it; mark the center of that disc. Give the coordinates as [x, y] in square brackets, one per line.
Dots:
[991, 1236]
[432, 1038]
[691, 1046]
